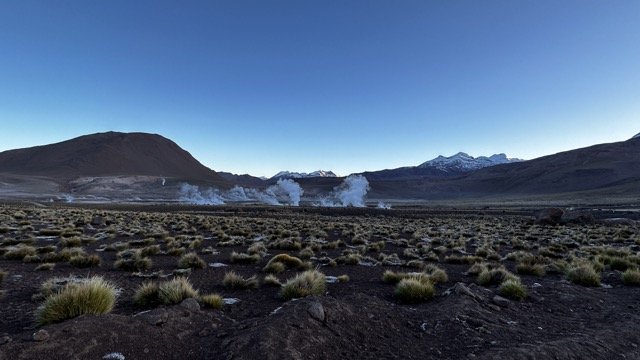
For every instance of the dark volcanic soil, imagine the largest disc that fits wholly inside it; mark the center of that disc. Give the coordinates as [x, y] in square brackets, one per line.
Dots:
[362, 318]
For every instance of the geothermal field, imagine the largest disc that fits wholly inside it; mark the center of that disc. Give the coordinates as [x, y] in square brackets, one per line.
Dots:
[252, 281]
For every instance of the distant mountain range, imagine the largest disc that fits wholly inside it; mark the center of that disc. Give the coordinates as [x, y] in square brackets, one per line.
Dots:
[464, 162]
[140, 164]
[297, 175]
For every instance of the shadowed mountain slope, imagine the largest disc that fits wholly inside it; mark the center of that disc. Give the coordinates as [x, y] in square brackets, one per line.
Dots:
[108, 154]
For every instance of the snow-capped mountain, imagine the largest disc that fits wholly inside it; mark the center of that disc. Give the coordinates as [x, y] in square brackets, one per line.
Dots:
[637, 136]
[297, 175]
[465, 162]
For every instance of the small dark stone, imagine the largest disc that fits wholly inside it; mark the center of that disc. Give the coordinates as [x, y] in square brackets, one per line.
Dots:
[41, 335]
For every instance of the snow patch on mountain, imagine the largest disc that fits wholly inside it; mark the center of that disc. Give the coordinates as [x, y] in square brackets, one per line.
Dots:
[297, 175]
[637, 136]
[465, 162]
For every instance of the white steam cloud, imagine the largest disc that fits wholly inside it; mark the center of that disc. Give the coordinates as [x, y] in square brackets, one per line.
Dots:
[191, 194]
[284, 192]
[351, 192]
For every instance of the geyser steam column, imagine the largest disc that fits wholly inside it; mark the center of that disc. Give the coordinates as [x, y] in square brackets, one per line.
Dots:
[352, 191]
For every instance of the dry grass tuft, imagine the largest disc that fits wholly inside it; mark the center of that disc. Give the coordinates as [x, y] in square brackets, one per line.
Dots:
[90, 296]
[513, 289]
[232, 280]
[213, 301]
[414, 290]
[175, 290]
[191, 261]
[310, 282]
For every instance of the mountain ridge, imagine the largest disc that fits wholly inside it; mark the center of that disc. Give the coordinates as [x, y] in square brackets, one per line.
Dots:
[108, 154]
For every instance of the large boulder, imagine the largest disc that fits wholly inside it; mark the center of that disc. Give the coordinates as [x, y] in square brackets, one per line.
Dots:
[579, 217]
[549, 216]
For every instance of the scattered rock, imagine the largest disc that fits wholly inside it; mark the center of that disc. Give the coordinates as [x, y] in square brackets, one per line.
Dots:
[500, 301]
[154, 317]
[230, 301]
[217, 265]
[549, 216]
[41, 335]
[97, 221]
[331, 279]
[190, 304]
[316, 310]
[114, 356]
[5, 339]
[461, 289]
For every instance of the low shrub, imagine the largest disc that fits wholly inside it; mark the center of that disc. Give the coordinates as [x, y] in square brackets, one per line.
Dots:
[90, 296]
[232, 280]
[310, 282]
[19, 252]
[272, 280]
[244, 258]
[495, 276]
[584, 275]
[45, 267]
[85, 261]
[513, 289]
[147, 294]
[213, 301]
[414, 290]
[631, 277]
[175, 290]
[191, 261]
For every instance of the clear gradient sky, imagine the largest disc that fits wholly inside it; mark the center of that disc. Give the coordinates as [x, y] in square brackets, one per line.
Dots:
[262, 86]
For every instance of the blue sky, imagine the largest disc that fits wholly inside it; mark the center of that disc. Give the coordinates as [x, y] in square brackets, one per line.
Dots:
[262, 86]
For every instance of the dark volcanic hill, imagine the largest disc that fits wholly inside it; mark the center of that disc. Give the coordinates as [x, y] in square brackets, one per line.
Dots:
[108, 154]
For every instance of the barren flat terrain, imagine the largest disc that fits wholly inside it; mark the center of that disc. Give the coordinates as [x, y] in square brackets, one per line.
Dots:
[313, 283]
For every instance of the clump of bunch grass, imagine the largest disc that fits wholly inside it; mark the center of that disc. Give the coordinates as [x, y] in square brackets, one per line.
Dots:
[147, 294]
[213, 301]
[414, 290]
[19, 252]
[3, 274]
[343, 278]
[310, 282]
[150, 250]
[495, 276]
[583, 274]
[244, 258]
[306, 253]
[436, 274]
[631, 277]
[85, 261]
[281, 262]
[175, 290]
[31, 259]
[466, 259]
[90, 296]
[257, 248]
[531, 265]
[512, 288]
[132, 260]
[232, 280]
[191, 261]
[45, 267]
[272, 280]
